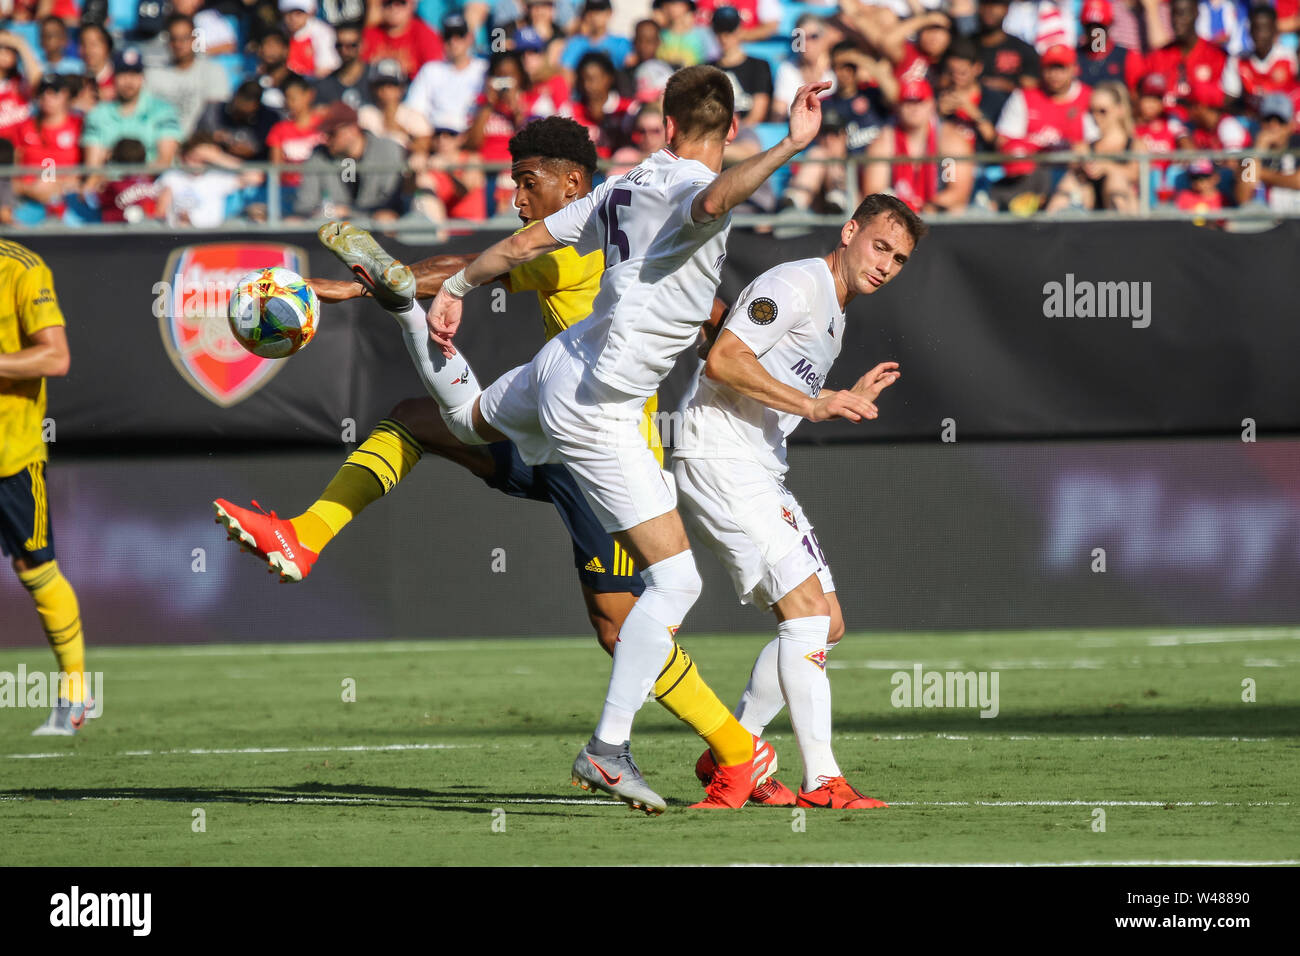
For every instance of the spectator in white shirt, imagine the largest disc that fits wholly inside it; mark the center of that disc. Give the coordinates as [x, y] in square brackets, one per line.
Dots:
[444, 92]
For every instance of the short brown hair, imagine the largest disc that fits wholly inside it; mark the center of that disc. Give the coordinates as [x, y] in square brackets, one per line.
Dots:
[700, 101]
[883, 203]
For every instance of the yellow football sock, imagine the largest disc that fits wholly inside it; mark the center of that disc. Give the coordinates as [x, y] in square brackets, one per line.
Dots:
[386, 457]
[682, 690]
[56, 604]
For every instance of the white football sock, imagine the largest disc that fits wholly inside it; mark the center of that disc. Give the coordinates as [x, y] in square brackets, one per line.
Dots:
[450, 381]
[645, 640]
[801, 660]
[762, 699]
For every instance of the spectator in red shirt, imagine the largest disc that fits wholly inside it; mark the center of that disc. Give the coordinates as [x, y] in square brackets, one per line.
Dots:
[446, 188]
[759, 19]
[1157, 132]
[1052, 116]
[919, 60]
[1272, 67]
[401, 36]
[15, 80]
[49, 139]
[134, 197]
[504, 106]
[311, 40]
[1100, 58]
[598, 106]
[918, 131]
[1192, 67]
[292, 141]
[1202, 192]
[1104, 183]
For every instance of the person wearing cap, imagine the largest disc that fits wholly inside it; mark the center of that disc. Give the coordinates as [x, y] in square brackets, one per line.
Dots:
[1100, 58]
[311, 40]
[918, 60]
[1104, 183]
[350, 83]
[402, 36]
[1157, 133]
[190, 81]
[1209, 125]
[1193, 68]
[371, 185]
[1276, 175]
[1051, 116]
[1271, 67]
[133, 114]
[593, 34]
[448, 88]
[683, 42]
[918, 131]
[386, 115]
[759, 19]
[811, 64]
[751, 77]
[1007, 63]
[52, 134]
[1201, 192]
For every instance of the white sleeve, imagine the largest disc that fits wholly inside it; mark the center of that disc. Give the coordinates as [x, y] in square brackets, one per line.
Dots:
[577, 224]
[1231, 80]
[766, 310]
[322, 46]
[769, 11]
[1091, 131]
[787, 83]
[417, 97]
[1014, 121]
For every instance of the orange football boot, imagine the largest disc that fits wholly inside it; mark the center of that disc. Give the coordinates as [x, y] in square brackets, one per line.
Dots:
[836, 794]
[732, 787]
[268, 536]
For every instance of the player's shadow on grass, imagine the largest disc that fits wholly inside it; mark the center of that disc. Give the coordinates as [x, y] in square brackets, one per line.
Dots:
[457, 799]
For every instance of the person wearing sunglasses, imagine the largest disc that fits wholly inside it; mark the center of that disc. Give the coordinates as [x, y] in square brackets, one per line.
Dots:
[810, 64]
[348, 83]
[1103, 183]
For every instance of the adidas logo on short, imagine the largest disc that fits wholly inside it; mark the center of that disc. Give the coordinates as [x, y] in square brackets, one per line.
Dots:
[595, 566]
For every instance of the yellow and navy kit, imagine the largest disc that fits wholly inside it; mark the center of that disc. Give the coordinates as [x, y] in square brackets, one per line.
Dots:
[27, 305]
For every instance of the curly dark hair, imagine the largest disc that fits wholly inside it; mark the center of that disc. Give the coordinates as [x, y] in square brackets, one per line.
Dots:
[555, 137]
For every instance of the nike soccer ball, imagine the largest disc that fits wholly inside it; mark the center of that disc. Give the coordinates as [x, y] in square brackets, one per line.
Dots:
[273, 312]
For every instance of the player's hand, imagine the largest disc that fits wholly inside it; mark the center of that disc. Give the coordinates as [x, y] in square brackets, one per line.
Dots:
[877, 380]
[806, 113]
[848, 405]
[337, 290]
[444, 320]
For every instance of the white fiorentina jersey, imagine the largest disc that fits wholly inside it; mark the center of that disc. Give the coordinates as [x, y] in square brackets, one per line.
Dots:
[791, 318]
[661, 269]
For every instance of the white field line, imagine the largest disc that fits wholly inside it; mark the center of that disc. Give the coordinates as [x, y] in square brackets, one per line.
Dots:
[378, 748]
[1040, 664]
[348, 801]
[222, 751]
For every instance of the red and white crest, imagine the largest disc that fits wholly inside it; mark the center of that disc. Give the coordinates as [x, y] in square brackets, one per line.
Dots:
[191, 304]
[818, 657]
[788, 516]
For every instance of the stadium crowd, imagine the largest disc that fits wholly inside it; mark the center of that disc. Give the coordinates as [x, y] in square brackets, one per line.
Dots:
[386, 108]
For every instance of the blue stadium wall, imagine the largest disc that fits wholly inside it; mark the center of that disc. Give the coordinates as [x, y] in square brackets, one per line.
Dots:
[1079, 439]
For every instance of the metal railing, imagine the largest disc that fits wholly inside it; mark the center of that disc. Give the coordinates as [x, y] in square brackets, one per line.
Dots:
[276, 219]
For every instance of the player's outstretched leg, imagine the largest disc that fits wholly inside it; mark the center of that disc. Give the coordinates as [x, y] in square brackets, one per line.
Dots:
[450, 381]
[56, 605]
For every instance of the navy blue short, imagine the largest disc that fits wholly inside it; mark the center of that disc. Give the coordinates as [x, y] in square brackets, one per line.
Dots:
[25, 529]
[602, 563]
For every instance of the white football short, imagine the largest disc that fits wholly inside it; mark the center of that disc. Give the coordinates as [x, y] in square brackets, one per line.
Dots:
[748, 518]
[554, 410]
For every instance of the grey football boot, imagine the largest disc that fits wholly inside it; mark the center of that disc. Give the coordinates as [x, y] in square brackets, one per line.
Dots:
[617, 775]
[388, 280]
[65, 720]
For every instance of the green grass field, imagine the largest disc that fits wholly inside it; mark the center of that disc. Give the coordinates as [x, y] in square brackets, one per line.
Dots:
[458, 752]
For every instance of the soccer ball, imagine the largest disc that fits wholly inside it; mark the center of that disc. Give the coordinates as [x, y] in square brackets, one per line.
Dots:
[273, 312]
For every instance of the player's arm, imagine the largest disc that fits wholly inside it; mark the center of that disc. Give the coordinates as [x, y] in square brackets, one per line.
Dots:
[737, 183]
[47, 358]
[733, 363]
[498, 259]
[429, 274]
[712, 326]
